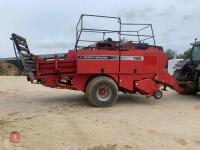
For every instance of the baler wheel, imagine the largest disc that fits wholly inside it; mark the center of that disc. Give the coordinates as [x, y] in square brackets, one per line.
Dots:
[158, 94]
[102, 91]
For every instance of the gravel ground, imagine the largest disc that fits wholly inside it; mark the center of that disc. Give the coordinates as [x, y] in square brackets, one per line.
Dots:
[55, 119]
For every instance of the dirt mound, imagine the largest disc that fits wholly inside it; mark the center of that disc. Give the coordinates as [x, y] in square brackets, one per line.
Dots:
[9, 69]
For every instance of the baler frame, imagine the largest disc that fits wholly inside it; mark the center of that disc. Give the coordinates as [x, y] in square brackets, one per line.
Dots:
[103, 68]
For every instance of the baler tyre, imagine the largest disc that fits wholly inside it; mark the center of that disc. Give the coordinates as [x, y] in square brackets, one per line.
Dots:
[158, 94]
[102, 91]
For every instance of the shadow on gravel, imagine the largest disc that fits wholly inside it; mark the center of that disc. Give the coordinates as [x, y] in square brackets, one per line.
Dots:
[135, 99]
[189, 97]
[80, 100]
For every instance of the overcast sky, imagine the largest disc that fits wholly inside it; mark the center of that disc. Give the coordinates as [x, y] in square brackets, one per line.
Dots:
[49, 25]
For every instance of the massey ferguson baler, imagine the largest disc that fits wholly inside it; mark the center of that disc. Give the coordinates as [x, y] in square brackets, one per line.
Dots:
[102, 68]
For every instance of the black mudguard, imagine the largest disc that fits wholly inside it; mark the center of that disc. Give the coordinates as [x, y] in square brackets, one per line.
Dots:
[181, 64]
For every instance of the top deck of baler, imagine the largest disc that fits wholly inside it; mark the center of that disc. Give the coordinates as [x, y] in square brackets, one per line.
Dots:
[137, 32]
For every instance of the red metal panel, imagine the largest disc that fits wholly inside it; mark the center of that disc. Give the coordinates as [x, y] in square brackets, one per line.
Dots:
[149, 62]
[166, 78]
[146, 86]
[97, 63]
[50, 80]
[127, 80]
[139, 64]
[135, 66]
[79, 80]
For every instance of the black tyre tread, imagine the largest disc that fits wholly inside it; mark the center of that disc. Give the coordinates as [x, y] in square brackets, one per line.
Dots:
[189, 92]
[92, 84]
[178, 74]
[156, 96]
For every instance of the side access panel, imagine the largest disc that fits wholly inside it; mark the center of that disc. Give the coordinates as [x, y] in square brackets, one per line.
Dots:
[139, 64]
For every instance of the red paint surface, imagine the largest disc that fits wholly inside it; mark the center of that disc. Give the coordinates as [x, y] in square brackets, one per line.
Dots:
[14, 137]
[77, 72]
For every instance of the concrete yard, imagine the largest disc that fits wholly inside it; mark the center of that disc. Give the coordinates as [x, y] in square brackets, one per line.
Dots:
[55, 119]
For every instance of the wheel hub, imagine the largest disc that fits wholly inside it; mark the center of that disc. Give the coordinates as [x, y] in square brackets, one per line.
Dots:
[101, 91]
[104, 93]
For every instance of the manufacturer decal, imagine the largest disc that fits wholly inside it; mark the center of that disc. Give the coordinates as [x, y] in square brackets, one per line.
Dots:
[100, 57]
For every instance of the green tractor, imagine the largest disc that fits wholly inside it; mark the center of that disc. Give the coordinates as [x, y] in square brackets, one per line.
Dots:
[187, 72]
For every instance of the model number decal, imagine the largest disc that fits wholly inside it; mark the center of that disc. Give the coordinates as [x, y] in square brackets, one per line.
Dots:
[136, 58]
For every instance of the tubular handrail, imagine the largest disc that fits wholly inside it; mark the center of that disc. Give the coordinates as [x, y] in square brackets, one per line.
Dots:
[80, 29]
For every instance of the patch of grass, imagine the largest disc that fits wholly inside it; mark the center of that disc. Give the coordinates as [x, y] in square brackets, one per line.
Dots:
[8, 69]
[3, 71]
